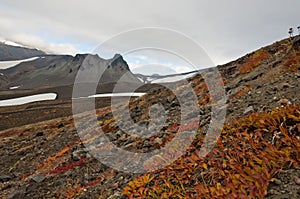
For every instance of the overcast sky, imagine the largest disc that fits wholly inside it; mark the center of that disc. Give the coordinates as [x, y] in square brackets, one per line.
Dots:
[226, 30]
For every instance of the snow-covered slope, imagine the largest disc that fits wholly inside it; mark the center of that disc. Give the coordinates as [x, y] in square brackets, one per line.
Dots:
[11, 51]
[9, 64]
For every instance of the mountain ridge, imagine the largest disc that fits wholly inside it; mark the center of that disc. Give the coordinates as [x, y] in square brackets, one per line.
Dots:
[61, 70]
[10, 53]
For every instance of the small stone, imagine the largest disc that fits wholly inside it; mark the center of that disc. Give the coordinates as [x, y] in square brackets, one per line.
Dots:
[159, 140]
[284, 102]
[38, 178]
[250, 109]
[286, 85]
[147, 144]
[17, 193]
[297, 180]
[130, 147]
[298, 127]
[5, 178]
[39, 134]
[116, 185]
[277, 181]
[16, 174]
[116, 195]
[88, 155]
[78, 154]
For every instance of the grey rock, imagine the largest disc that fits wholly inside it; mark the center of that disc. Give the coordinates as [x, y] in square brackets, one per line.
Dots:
[128, 141]
[116, 195]
[249, 109]
[5, 178]
[39, 134]
[78, 154]
[17, 193]
[38, 178]
[147, 144]
[130, 147]
[273, 192]
[277, 181]
[16, 174]
[297, 180]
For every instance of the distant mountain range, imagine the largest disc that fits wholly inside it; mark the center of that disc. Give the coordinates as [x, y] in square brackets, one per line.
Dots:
[55, 73]
[59, 70]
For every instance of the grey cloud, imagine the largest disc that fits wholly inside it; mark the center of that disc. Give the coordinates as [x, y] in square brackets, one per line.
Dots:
[225, 29]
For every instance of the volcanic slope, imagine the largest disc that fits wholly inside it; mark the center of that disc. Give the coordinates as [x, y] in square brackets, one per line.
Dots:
[256, 156]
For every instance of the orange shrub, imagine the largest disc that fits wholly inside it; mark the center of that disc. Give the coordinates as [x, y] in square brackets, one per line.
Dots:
[242, 92]
[242, 164]
[253, 61]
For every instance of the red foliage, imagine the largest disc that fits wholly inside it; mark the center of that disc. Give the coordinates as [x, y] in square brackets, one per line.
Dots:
[94, 182]
[242, 164]
[68, 166]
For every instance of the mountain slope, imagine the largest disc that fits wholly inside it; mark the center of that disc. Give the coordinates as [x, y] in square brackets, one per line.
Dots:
[53, 71]
[11, 53]
[48, 159]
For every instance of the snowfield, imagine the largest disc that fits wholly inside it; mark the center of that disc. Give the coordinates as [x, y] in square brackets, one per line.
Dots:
[9, 64]
[114, 95]
[173, 79]
[28, 99]
[14, 87]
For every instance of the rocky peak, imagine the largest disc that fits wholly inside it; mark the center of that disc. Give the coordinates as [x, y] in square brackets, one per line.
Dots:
[118, 61]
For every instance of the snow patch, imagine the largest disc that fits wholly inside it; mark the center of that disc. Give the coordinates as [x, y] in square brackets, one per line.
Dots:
[28, 99]
[11, 43]
[14, 87]
[9, 64]
[118, 95]
[173, 79]
[114, 95]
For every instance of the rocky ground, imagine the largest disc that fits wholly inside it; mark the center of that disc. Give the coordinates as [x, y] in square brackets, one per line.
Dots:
[49, 160]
